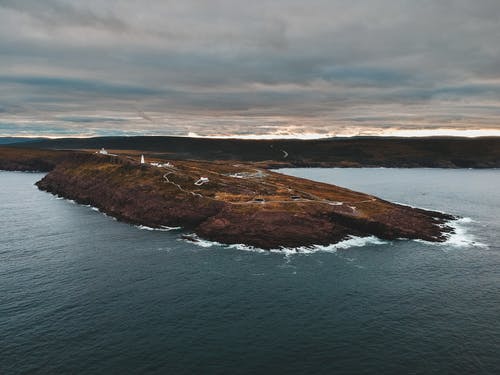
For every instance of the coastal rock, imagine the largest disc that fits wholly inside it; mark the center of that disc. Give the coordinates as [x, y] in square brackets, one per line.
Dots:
[239, 204]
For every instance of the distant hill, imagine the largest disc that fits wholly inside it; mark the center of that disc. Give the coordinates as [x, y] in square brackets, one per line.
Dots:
[441, 152]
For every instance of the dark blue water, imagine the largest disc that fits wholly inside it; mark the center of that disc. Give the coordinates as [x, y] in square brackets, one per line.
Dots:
[82, 293]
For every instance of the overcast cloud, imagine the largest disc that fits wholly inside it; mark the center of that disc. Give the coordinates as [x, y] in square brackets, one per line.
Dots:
[238, 67]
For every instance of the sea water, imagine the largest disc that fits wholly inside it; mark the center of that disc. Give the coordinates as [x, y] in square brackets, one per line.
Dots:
[83, 293]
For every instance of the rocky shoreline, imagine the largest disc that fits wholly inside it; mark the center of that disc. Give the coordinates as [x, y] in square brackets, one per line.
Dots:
[236, 203]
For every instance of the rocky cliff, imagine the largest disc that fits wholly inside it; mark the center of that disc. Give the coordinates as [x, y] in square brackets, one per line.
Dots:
[236, 203]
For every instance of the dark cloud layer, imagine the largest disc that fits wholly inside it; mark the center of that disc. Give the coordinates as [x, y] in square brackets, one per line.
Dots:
[238, 67]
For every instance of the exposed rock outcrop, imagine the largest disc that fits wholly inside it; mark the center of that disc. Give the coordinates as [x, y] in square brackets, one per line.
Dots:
[238, 204]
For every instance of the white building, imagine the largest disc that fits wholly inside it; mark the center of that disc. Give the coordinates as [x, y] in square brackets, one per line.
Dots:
[201, 181]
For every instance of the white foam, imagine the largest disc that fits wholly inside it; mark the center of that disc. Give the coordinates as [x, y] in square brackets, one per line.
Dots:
[351, 241]
[101, 212]
[162, 228]
[246, 248]
[460, 237]
[58, 197]
[195, 240]
[166, 228]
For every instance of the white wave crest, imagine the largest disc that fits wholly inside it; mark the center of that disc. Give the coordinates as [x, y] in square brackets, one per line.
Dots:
[59, 198]
[162, 228]
[460, 237]
[101, 212]
[350, 242]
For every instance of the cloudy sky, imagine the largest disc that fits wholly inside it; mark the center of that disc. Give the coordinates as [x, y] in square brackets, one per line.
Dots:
[247, 68]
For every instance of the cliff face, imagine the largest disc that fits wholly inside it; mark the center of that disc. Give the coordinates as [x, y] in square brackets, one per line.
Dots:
[238, 203]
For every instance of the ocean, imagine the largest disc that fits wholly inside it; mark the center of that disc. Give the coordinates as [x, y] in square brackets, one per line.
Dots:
[81, 293]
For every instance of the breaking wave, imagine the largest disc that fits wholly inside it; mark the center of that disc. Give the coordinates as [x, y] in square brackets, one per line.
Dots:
[162, 228]
[460, 237]
[350, 242]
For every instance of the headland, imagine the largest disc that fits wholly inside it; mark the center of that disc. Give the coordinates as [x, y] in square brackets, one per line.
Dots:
[231, 202]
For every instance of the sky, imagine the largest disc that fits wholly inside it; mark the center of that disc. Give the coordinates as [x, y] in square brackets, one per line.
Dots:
[242, 68]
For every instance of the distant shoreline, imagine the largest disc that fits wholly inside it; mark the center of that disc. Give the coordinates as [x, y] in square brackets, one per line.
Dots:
[388, 152]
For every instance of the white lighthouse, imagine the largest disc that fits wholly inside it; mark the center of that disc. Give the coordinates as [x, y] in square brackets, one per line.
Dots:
[142, 159]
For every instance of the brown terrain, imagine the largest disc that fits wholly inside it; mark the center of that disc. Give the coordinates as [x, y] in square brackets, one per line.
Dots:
[238, 203]
[29, 160]
[432, 152]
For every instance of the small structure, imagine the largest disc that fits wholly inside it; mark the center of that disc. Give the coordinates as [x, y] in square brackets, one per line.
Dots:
[102, 151]
[142, 159]
[201, 181]
[162, 165]
[256, 174]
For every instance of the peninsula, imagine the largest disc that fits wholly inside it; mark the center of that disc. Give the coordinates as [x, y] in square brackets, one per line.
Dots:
[225, 201]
